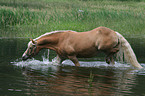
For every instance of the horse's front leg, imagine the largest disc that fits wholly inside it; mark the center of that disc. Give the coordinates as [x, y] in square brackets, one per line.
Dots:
[74, 60]
[59, 60]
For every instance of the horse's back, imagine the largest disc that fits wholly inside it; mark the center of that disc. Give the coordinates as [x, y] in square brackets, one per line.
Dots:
[100, 37]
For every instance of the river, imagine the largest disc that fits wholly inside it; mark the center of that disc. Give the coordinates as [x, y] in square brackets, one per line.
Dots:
[40, 76]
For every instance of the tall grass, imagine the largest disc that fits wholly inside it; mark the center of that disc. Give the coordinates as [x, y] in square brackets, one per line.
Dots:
[10, 17]
[115, 0]
[79, 15]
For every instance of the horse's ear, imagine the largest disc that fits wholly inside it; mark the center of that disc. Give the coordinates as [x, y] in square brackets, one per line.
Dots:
[32, 41]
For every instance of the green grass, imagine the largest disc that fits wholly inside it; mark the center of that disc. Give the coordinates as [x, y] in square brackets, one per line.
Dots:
[31, 18]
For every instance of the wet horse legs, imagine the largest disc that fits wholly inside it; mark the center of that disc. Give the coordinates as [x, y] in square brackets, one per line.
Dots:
[109, 58]
[59, 59]
[74, 60]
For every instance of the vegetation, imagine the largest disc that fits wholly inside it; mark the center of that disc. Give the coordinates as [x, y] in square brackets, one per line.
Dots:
[31, 18]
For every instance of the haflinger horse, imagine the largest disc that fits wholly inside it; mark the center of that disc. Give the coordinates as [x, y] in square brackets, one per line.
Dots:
[72, 45]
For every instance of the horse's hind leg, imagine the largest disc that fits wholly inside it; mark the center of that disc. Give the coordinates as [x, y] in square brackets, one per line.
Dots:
[109, 58]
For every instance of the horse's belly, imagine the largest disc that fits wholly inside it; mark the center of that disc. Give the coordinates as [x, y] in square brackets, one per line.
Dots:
[87, 53]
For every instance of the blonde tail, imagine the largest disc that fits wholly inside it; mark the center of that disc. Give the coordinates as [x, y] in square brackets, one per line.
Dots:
[127, 51]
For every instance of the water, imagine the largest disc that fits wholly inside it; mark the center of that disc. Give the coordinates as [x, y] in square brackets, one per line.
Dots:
[42, 77]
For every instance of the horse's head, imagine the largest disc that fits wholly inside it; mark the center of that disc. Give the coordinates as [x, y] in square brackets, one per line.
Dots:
[31, 51]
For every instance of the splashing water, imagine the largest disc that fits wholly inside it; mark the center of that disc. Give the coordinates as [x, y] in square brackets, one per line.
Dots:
[46, 65]
[46, 62]
[37, 64]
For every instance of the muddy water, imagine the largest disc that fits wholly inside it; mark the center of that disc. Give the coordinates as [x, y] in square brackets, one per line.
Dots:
[42, 77]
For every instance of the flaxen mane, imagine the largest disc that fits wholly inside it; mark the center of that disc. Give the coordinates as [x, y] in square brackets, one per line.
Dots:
[53, 32]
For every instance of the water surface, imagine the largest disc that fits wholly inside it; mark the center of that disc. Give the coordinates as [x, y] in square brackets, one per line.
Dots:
[42, 77]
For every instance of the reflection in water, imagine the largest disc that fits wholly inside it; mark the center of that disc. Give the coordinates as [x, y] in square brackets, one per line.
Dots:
[70, 80]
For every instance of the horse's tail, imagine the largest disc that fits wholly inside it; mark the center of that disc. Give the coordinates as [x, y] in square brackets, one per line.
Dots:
[126, 50]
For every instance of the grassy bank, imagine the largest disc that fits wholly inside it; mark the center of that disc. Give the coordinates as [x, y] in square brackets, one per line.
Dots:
[31, 18]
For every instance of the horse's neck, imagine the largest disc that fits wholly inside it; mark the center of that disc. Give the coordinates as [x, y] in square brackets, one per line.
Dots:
[47, 41]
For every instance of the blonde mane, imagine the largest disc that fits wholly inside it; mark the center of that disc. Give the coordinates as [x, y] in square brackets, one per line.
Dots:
[53, 32]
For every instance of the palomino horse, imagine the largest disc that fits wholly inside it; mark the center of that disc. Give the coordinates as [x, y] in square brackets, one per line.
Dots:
[72, 45]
